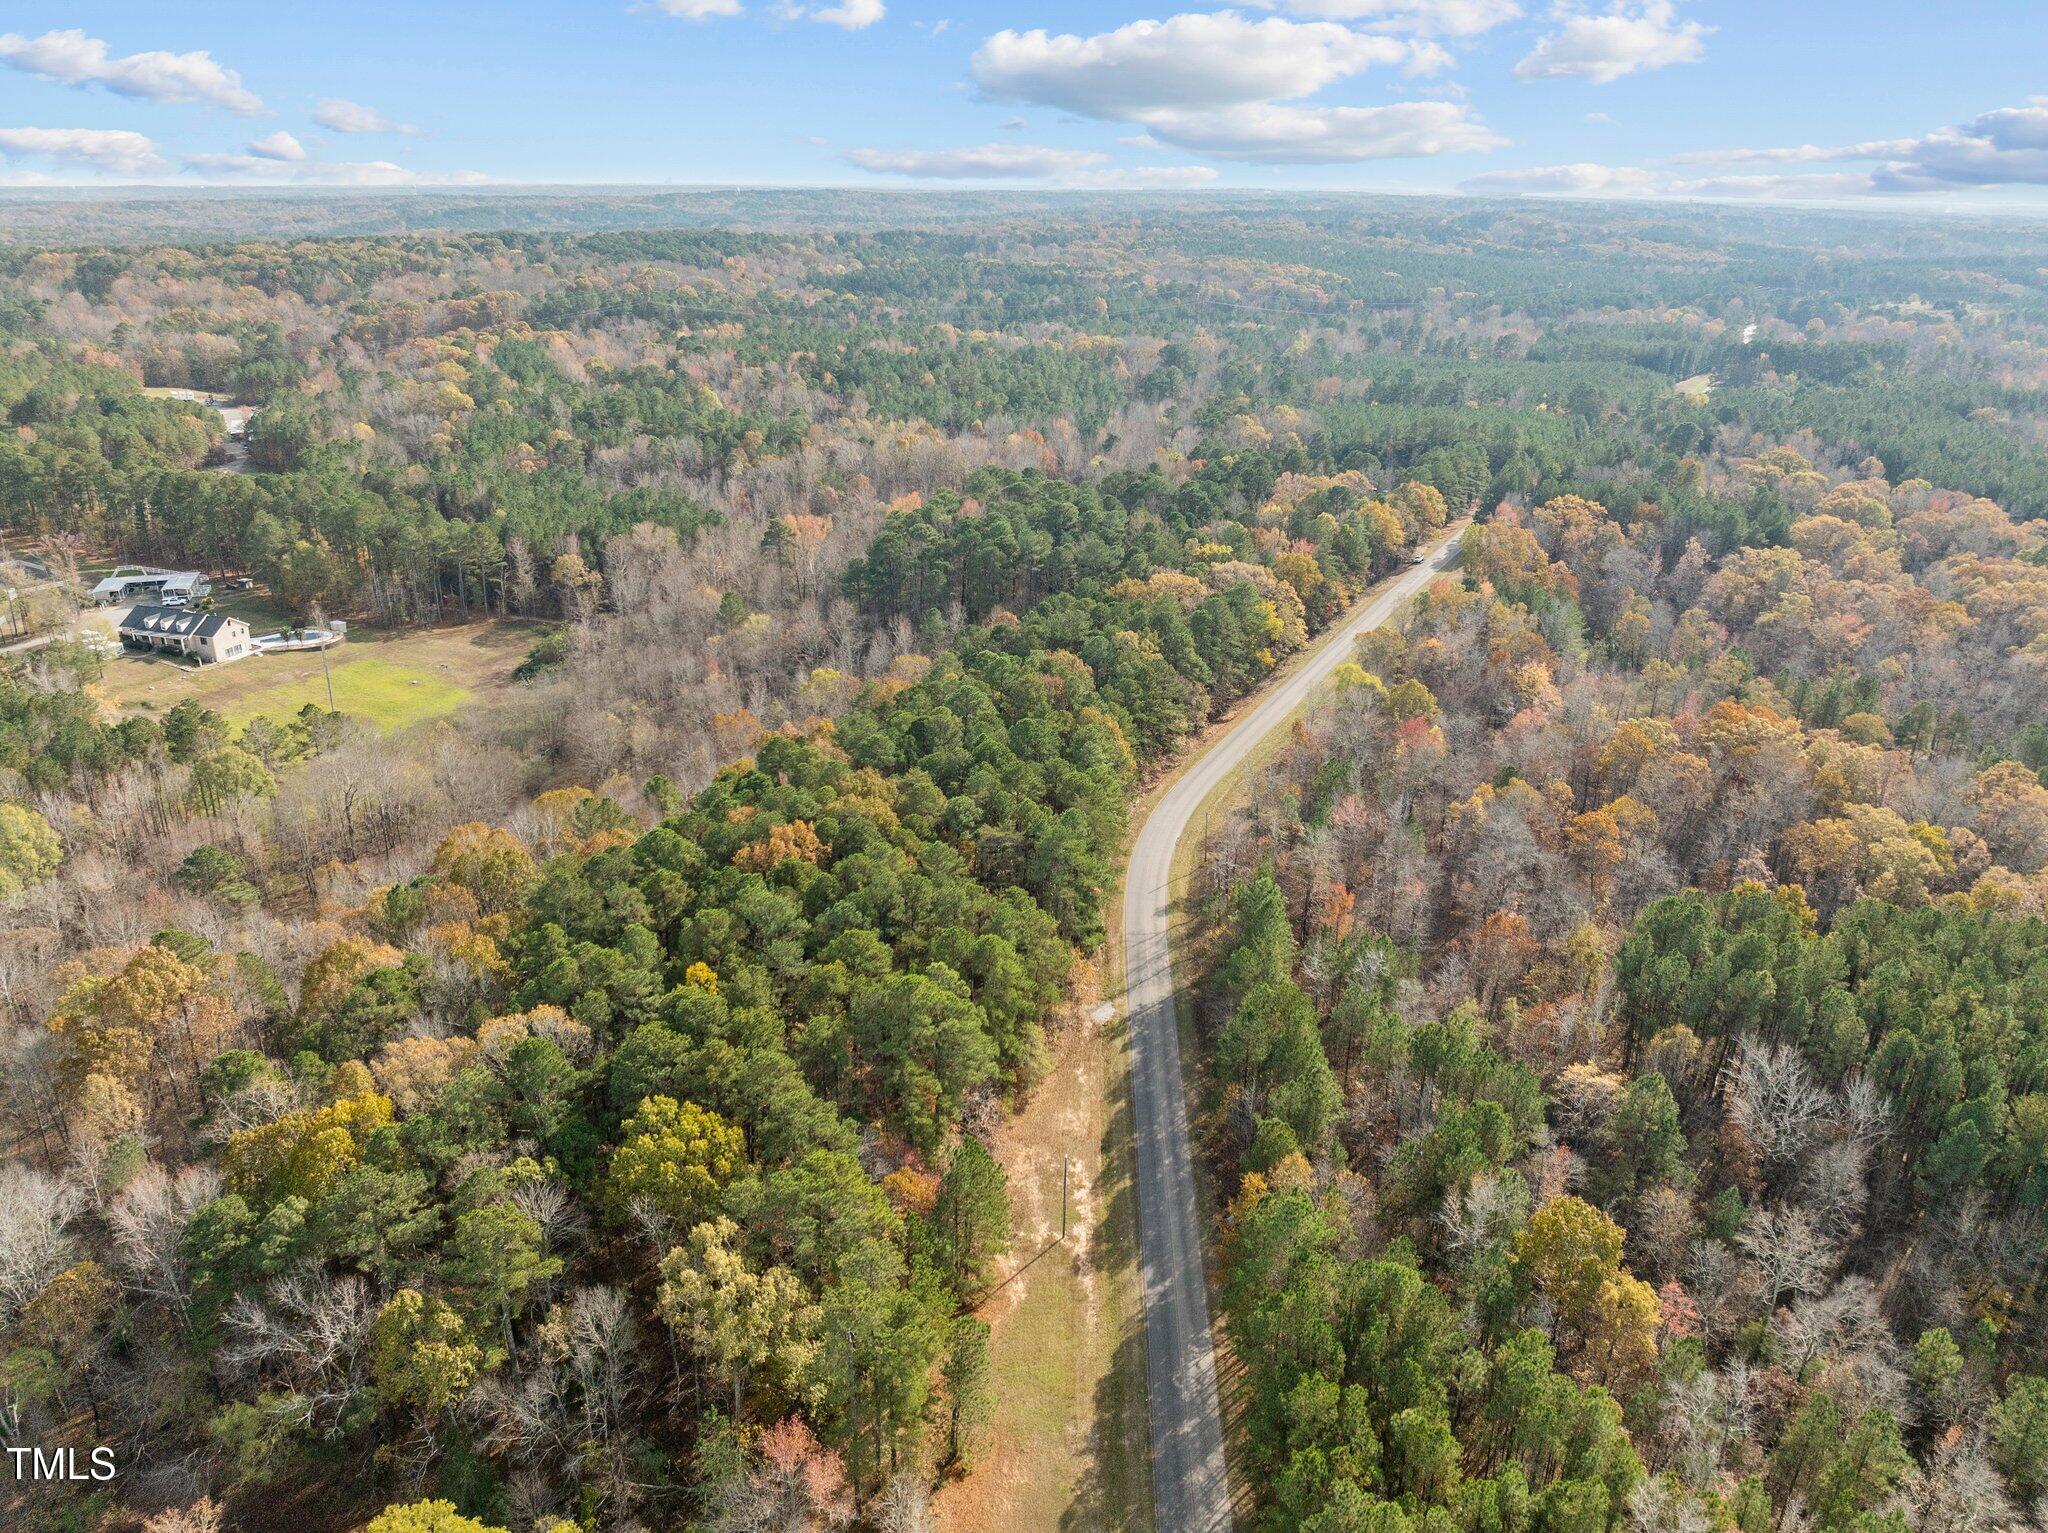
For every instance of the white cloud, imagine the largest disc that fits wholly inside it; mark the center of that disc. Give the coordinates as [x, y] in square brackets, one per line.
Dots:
[1605, 181]
[1280, 133]
[109, 149]
[1427, 58]
[1149, 176]
[257, 166]
[853, 15]
[1186, 62]
[1086, 168]
[73, 58]
[1226, 85]
[984, 162]
[1630, 35]
[2014, 127]
[278, 146]
[1581, 180]
[341, 115]
[1797, 154]
[1951, 161]
[1831, 187]
[2004, 147]
[1450, 18]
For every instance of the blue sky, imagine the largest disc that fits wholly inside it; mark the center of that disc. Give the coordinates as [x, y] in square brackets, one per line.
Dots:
[1885, 101]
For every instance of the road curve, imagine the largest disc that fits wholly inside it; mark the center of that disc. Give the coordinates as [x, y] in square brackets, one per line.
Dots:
[1190, 1491]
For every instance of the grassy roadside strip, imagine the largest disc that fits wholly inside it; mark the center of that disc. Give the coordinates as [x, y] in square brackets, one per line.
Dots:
[1069, 1446]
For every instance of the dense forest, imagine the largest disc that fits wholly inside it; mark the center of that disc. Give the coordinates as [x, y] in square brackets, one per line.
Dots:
[1623, 1009]
[1630, 1050]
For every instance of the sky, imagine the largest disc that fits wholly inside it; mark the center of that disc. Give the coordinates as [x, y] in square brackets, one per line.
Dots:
[1898, 103]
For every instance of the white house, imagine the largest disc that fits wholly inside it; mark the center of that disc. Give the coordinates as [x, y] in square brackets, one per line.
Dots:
[133, 582]
[213, 638]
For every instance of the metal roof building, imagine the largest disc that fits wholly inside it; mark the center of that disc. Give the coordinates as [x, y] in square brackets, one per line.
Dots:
[133, 582]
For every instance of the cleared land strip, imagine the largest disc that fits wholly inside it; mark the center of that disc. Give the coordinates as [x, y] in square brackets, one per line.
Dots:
[1190, 1490]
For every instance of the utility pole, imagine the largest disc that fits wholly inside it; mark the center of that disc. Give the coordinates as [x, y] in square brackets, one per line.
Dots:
[1063, 1197]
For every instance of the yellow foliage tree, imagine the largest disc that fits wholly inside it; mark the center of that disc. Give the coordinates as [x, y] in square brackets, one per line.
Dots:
[303, 1153]
[674, 1158]
[1572, 1252]
[795, 841]
[490, 863]
[121, 1025]
[421, 1354]
[336, 970]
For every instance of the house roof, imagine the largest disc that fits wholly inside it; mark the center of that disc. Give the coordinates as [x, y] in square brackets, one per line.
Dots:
[181, 622]
[169, 580]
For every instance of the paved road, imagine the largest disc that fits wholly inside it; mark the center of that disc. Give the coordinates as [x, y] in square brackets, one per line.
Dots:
[1190, 1492]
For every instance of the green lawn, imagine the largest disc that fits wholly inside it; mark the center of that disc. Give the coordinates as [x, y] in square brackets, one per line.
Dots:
[390, 678]
[263, 613]
[388, 695]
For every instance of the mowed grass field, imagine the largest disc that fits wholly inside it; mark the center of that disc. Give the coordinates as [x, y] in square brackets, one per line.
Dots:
[386, 693]
[388, 680]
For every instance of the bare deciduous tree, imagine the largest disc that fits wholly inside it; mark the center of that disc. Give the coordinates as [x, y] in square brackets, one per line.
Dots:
[1492, 1206]
[1776, 1102]
[1789, 1253]
[1833, 1188]
[1845, 1319]
[568, 1414]
[1863, 1112]
[1955, 1490]
[549, 1204]
[1704, 1417]
[35, 1210]
[905, 1506]
[311, 1331]
[148, 1223]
